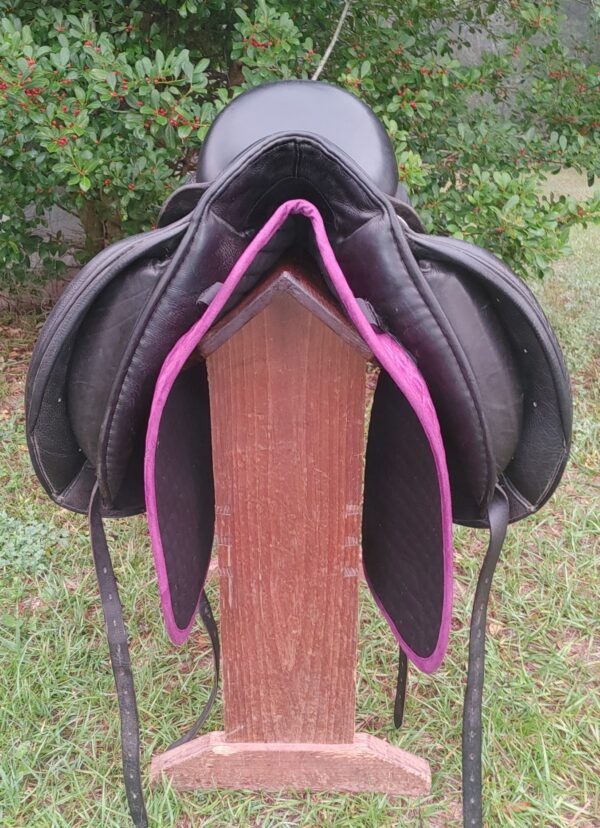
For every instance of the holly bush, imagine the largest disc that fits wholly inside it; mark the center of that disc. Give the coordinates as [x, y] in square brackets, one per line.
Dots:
[102, 111]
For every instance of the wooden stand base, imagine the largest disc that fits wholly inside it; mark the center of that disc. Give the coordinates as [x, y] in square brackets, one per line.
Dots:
[368, 764]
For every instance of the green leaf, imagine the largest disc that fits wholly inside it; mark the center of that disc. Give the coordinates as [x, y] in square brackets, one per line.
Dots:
[188, 70]
[170, 136]
[85, 183]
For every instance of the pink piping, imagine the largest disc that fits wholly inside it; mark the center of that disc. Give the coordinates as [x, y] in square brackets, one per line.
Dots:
[390, 355]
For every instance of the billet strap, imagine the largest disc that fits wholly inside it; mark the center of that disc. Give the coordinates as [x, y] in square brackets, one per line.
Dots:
[498, 516]
[118, 648]
[401, 683]
[120, 662]
[213, 633]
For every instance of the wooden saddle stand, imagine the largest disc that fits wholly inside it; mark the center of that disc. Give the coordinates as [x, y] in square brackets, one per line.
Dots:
[287, 376]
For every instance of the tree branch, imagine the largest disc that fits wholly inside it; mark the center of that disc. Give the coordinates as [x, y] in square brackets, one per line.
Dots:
[333, 40]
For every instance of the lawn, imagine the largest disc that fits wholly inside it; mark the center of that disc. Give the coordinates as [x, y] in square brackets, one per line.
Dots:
[59, 738]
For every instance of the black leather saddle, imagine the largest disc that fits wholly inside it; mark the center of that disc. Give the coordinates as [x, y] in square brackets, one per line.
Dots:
[471, 418]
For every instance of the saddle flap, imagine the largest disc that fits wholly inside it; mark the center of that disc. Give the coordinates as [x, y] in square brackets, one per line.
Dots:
[403, 526]
[420, 620]
[185, 512]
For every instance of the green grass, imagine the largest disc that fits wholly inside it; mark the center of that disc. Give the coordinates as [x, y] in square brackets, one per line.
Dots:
[59, 739]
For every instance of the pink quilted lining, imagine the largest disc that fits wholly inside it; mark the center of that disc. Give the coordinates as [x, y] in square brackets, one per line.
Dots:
[392, 358]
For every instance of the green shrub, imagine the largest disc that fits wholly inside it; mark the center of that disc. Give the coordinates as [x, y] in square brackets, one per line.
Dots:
[103, 112]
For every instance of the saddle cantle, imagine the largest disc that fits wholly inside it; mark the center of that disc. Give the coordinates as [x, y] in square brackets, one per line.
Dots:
[473, 393]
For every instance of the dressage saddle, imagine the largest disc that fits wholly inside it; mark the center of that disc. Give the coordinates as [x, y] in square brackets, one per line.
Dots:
[471, 418]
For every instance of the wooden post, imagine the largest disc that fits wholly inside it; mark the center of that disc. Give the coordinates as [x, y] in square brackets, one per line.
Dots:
[287, 384]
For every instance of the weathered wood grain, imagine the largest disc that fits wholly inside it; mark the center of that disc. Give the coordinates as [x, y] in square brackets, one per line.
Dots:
[366, 764]
[287, 402]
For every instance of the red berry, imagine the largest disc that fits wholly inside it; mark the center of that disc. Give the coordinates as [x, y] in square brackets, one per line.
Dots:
[413, 104]
[62, 141]
[131, 186]
[88, 43]
[106, 182]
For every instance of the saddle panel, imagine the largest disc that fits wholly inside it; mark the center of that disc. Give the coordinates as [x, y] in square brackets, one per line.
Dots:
[382, 269]
[538, 461]
[57, 456]
[100, 344]
[472, 316]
